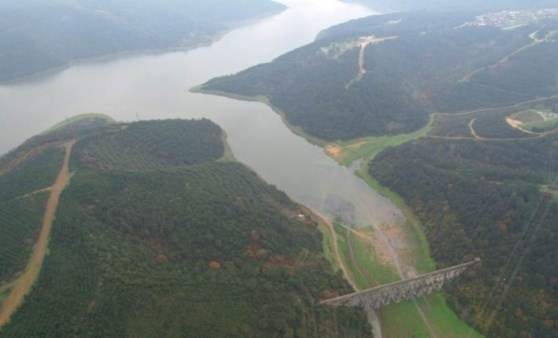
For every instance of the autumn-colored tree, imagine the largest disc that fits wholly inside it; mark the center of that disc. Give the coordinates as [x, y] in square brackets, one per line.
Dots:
[162, 258]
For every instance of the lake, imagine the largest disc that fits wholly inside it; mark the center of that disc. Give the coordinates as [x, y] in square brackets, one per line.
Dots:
[155, 86]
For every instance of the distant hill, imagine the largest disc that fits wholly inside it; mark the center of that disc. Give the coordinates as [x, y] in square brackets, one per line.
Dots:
[158, 234]
[385, 74]
[40, 35]
[452, 5]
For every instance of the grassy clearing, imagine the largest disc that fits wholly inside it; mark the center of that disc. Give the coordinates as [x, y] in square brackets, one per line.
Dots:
[376, 272]
[537, 120]
[82, 117]
[336, 49]
[447, 323]
[550, 190]
[327, 247]
[403, 319]
[327, 240]
[527, 116]
[367, 148]
[342, 243]
[398, 320]
[359, 249]
[542, 126]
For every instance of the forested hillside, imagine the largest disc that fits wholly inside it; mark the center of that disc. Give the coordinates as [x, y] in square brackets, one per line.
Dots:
[447, 5]
[154, 236]
[385, 74]
[482, 178]
[39, 35]
[487, 198]
[22, 205]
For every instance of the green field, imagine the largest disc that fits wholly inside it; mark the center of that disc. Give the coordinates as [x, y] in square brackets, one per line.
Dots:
[376, 273]
[398, 320]
[373, 145]
[537, 120]
[354, 271]
[79, 118]
[402, 320]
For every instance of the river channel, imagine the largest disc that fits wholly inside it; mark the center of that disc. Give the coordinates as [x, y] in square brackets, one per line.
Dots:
[155, 86]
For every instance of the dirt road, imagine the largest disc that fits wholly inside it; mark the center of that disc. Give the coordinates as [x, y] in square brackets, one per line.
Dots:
[506, 58]
[22, 286]
[363, 44]
[371, 313]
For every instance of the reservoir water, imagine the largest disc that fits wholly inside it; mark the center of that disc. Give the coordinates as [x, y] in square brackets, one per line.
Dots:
[155, 86]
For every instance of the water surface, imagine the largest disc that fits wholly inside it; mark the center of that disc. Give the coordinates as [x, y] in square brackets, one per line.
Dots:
[155, 86]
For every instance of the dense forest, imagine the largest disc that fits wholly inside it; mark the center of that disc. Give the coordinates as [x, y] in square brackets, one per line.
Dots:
[385, 74]
[147, 145]
[21, 208]
[191, 247]
[39, 35]
[487, 199]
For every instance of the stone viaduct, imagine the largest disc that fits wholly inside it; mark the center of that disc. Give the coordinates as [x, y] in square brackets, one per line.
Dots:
[384, 295]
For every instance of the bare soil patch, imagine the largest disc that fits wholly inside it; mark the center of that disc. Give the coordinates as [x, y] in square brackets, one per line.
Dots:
[514, 123]
[334, 151]
[357, 145]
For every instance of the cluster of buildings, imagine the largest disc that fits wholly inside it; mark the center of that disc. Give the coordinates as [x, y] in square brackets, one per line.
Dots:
[513, 18]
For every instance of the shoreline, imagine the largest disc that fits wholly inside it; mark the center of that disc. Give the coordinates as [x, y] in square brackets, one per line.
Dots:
[263, 99]
[412, 226]
[105, 58]
[208, 41]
